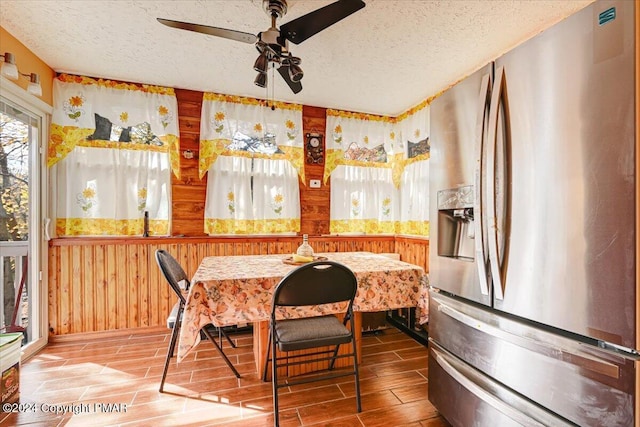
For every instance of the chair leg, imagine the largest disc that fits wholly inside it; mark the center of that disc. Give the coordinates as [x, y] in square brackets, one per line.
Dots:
[357, 375]
[170, 350]
[224, 356]
[224, 334]
[274, 381]
[347, 319]
[356, 371]
[333, 358]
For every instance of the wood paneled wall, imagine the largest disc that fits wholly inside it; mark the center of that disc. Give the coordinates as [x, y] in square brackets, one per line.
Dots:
[314, 202]
[413, 250]
[111, 284]
[188, 192]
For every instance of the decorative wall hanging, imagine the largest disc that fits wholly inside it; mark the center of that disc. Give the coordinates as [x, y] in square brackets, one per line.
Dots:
[315, 148]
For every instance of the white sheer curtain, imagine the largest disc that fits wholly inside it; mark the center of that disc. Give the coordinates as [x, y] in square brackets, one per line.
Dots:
[414, 200]
[414, 187]
[228, 206]
[276, 196]
[253, 156]
[111, 151]
[106, 192]
[363, 200]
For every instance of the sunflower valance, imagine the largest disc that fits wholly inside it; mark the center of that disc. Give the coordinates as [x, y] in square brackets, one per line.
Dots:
[359, 139]
[101, 113]
[413, 128]
[368, 140]
[247, 127]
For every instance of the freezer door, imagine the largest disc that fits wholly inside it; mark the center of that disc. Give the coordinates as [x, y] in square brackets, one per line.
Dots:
[458, 125]
[466, 397]
[582, 383]
[562, 190]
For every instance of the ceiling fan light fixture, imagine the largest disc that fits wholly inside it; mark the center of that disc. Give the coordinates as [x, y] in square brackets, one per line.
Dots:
[262, 63]
[261, 80]
[295, 72]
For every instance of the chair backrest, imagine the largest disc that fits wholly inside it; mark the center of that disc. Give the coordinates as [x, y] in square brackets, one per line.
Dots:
[316, 283]
[172, 271]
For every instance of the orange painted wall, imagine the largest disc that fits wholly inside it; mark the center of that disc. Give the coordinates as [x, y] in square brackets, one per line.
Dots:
[27, 62]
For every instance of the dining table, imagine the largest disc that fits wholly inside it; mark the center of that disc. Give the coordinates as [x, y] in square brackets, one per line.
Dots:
[238, 289]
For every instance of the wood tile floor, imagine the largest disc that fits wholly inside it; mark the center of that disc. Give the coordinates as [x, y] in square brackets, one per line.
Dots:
[114, 382]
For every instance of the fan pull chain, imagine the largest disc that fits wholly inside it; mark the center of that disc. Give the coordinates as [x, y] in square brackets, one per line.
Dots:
[273, 88]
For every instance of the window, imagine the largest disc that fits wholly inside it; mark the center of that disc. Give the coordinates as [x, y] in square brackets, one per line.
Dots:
[360, 161]
[253, 157]
[111, 152]
[379, 172]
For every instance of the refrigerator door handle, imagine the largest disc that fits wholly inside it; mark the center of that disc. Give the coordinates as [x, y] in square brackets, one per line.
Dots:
[492, 219]
[484, 395]
[481, 258]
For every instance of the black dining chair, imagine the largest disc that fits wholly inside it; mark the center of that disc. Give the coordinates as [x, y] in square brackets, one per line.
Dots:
[175, 274]
[315, 283]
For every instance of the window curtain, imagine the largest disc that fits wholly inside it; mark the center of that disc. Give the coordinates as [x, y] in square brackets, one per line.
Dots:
[253, 155]
[111, 150]
[413, 127]
[361, 160]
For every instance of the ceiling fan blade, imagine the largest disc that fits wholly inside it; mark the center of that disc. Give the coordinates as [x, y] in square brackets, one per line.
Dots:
[312, 23]
[284, 72]
[212, 31]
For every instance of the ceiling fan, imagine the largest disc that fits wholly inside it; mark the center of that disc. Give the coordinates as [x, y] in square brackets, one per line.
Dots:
[273, 44]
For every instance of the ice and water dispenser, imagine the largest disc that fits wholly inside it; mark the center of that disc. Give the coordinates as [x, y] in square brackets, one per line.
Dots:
[455, 223]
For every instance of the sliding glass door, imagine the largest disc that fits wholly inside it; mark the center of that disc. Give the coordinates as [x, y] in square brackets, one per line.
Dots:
[22, 247]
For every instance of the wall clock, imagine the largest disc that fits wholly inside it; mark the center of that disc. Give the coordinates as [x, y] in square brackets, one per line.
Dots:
[315, 148]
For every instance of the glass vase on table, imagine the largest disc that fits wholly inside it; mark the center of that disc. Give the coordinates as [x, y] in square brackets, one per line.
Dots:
[305, 248]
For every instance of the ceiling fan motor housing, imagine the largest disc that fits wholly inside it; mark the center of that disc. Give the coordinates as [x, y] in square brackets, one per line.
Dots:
[272, 38]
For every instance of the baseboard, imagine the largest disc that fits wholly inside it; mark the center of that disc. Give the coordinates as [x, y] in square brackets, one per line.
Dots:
[115, 333]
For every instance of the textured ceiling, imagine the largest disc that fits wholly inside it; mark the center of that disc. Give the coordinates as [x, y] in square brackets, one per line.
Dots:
[383, 59]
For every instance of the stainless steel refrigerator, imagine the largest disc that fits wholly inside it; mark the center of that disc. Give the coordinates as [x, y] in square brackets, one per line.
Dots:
[534, 301]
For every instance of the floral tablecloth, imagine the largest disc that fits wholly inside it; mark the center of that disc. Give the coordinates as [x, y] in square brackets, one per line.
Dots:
[231, 290]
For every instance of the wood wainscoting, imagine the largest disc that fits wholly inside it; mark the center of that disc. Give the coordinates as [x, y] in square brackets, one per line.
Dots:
[413, 250]
[113, 284]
